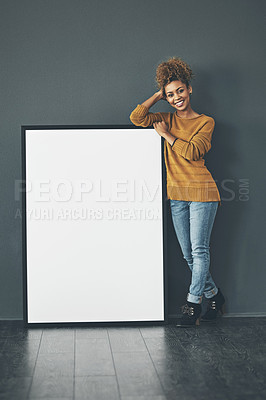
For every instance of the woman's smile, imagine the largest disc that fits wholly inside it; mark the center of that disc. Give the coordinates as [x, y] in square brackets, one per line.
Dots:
[179, 103]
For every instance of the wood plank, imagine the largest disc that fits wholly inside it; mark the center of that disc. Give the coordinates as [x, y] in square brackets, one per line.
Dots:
[93, 357]
[126, 339]
[52, 387]
[96, 387]
[57, 344]
[59, 332]
[55, 364]
[136, 374]
[91, 333]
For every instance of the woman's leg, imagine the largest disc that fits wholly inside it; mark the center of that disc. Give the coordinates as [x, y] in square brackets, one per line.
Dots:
[180, 211]
[202, 216]
[180, 218]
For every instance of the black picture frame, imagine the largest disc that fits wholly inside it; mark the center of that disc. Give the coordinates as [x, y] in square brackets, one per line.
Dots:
[25, 128]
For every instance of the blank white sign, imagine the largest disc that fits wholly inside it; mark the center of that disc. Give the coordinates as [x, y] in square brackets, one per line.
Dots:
[94, 225]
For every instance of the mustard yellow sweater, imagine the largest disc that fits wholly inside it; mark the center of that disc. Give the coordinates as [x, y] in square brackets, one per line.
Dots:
[187, 176]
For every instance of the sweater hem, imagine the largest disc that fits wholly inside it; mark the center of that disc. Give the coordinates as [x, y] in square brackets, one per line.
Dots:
[189, 193]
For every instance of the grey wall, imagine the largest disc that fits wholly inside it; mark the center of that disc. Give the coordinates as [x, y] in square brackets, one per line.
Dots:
[91, 62]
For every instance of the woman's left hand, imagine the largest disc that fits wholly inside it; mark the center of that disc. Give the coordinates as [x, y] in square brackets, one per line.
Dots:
[161, 128]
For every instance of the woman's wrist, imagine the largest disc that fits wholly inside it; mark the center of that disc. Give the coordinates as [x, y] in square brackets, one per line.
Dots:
[169, 138]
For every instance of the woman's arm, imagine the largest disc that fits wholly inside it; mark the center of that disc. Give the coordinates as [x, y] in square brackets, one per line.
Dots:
[153, 99]
[198, 146]
[141, 116]
[193, 150]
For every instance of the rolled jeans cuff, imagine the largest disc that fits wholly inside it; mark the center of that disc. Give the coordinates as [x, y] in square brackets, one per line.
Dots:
[194, 299]
[211, 293]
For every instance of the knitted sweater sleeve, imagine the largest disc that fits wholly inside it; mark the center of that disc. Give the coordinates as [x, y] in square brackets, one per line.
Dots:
[198, 145]
[141, 116]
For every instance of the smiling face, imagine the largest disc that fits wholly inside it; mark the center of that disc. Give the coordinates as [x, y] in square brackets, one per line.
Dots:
[177, 95]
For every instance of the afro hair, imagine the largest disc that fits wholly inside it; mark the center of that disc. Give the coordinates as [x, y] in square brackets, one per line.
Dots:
[174, 69]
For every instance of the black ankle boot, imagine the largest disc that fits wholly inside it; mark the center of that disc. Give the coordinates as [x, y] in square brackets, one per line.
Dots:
[215, 305]
[191, 313]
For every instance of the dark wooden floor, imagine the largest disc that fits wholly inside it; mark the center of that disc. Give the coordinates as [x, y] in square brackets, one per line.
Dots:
[224, 361]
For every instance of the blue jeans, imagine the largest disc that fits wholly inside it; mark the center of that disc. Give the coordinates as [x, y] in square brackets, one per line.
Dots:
[193, 222]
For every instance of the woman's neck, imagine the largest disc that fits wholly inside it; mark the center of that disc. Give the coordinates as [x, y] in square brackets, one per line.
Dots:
[188, 113]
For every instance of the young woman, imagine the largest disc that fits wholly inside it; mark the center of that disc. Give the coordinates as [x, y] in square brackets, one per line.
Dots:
[193, 194]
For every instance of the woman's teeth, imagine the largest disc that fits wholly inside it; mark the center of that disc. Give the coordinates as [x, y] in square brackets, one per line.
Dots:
[180, 103]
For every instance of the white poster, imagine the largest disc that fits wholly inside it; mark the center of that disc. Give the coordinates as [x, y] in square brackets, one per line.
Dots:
[93, 225]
